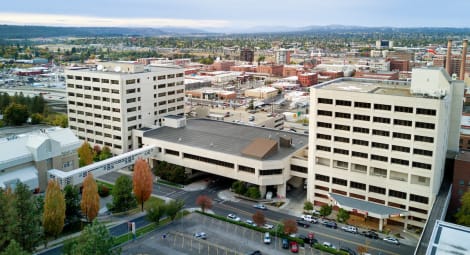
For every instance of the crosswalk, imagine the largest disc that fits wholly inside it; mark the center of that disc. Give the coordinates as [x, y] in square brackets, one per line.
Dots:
[176, 194]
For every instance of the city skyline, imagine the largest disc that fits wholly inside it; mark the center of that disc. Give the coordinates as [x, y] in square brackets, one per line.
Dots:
[232, 16]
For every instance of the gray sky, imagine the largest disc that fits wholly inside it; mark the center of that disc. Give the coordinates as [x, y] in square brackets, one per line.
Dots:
[231, 14]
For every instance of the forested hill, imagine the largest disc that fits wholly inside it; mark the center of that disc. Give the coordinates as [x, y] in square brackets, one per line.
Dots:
[24, 32]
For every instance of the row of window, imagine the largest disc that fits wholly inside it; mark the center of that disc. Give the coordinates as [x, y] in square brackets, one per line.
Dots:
[96, 141]
[372, 188]
[132, 81]
[384, 107]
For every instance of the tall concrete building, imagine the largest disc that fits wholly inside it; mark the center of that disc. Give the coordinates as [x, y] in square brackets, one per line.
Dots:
[247, 55]
[106, 103]
[378, 148]
[282, 57]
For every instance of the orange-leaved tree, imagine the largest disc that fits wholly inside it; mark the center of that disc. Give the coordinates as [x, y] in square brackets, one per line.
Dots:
[54, 209]
[90, 203]
[142, 181]
[290, 226]
[85, 153]
[204, 202]
[259, 218]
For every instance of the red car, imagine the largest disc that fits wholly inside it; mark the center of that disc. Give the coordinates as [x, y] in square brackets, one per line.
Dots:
[294, 247]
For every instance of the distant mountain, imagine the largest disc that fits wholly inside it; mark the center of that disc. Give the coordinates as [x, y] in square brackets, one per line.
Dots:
[24, 32]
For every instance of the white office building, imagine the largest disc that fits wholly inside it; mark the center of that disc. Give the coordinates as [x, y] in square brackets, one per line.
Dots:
[378, 148]
[106, 103]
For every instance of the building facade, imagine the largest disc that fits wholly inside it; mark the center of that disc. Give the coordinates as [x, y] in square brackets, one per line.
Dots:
[247, 55]
[282, 57]
[105, 104]
[371, 139]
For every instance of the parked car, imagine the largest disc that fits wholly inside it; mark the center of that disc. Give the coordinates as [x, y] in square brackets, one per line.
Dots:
[294, 247]
[260, 206]
[233, 217]
[370, 234]
[391, 240]
[250, 222]
[267, 238]
[329, 245]
[350, 229]
[309, 218]
[331, 224]
[348, 250]
[302, 223]
[268, 226]
[254, 253]
[200, 235]
[285, 243]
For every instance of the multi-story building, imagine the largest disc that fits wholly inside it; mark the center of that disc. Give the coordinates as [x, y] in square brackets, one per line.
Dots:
[28, 157]
[308, 79]
[461, 180]
[282, 57]
[378, 148]
[247, 55]
[105, 104]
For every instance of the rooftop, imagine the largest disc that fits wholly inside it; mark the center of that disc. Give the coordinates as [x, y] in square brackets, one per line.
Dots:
[448, 238]
[369, 207]
[397, 88]
[225, 137]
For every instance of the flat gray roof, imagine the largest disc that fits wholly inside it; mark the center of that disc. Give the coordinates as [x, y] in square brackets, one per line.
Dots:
[369, 207]
[448, 238]
[226, 137]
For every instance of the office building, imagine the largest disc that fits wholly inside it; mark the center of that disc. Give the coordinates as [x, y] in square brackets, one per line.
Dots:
[247, 55]
[378, 147]
[282, 57]
[106, 103]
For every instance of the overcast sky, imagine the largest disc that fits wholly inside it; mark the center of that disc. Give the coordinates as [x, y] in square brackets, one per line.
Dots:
[235, 14]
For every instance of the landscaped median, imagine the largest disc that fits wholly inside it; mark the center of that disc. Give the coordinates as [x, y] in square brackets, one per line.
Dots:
[274, 233]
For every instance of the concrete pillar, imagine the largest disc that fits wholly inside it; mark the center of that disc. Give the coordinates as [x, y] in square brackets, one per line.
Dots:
[281, 190]
[381, 224]
[262, 190]
[405, 226]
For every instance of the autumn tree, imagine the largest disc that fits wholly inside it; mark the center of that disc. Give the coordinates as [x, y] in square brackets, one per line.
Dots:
[290, 226]
[28, 223]
[72, 204]
[90, 203]
[123, 199]
[7, 217]
[142, 181]
[258, 218]
[463, 215]
[85, 154]
[54, 210]
[204, 202]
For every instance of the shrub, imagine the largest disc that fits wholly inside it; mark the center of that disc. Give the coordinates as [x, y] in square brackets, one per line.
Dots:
[253, 192]
[103, 191]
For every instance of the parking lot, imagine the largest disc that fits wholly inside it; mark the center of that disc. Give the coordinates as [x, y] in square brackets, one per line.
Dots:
[222, 238]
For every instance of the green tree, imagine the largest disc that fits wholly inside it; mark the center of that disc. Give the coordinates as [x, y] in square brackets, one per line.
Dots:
[85, 154]
[61, 120]
[7, 217]
[173, 207]
[253, 192]
[123, 199]
[95, 239]
[239, 187]
[28, 230]
[54, 210]
[14, 249]
[15, 114]
[105, 153]
[342, 216]
[36, 118]
[308, 206]
[72, 204]
[463, 215]
[326, 210]
[155, 210]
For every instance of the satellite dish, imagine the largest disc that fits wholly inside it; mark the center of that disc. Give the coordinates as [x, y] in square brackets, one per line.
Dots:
[99, 67]
[117, 69]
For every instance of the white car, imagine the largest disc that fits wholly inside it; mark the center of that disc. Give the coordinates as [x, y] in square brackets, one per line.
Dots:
[350, 229]
[200, 235]
[250, 222]
[233, 217]
[267, 238]
[329, 245]
[260, 206]
[268, 226]
[391, 240]
[309, 218]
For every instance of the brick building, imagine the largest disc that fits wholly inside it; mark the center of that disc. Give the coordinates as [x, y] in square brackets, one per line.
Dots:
[399, 64]
[271, 69]
[247, 55]
[221, 66]
[307, 79]
[461, 180]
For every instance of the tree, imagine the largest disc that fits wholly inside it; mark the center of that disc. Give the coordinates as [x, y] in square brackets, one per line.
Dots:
[72, 204]
[204, 202]
[14, 249]
[15, 114]
[258, 218]
[95, 239]
[173, 207]
[142, 181]
[28, 230]
[308, 206]
[123, 199]
[54, 210]
[90, 203]
[342, 216]
[155, 210]
[253, 192]
[85, 154]
[326, 210]
[290, 226]
[239, 187]
[36, 118]
[105, 153]
[7, 217]
[463, 215]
